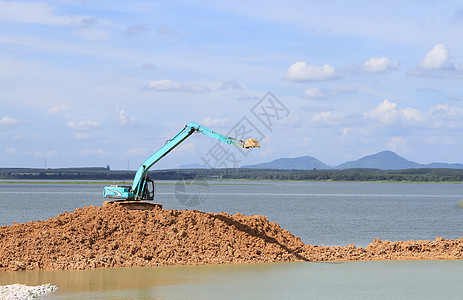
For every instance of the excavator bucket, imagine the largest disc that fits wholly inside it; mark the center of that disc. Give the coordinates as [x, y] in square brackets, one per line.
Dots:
[251, 143]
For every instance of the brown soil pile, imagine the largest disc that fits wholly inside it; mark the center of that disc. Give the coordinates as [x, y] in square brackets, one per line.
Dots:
[113, 236]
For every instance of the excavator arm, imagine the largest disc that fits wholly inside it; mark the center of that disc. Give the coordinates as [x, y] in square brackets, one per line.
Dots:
[138, 190]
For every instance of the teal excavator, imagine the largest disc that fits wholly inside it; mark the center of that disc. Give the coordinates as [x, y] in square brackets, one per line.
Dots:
[142, 187]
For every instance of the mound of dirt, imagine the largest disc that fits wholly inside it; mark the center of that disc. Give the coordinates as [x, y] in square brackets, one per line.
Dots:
[113, 236]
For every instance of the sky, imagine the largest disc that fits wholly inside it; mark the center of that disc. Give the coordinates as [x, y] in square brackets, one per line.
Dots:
[107, 83]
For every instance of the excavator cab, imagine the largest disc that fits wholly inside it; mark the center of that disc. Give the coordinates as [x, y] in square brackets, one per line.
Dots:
[148, 193]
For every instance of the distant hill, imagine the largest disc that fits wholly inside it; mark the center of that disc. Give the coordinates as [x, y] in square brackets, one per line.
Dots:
[385, 160]
[443, 166]
[297, 163]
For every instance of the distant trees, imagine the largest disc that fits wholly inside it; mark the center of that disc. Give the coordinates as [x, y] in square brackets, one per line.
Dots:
[408, 175]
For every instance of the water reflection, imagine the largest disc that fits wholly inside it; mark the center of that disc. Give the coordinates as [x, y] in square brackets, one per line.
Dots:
[346, 280]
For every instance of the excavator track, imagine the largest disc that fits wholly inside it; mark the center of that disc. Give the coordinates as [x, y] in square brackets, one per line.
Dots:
[134, 205]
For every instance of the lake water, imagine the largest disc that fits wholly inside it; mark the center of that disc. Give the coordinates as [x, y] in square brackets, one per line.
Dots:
[325, 213]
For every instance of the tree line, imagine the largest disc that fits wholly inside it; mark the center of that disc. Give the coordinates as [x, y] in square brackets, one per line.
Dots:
[407, 175]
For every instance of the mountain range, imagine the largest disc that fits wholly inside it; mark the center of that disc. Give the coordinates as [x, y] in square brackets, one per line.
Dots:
[385, 160]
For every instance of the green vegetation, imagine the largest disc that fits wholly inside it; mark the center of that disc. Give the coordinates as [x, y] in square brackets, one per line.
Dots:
[374, 175]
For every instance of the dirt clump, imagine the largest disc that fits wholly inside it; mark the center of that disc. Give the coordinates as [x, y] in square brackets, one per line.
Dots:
[113, 236]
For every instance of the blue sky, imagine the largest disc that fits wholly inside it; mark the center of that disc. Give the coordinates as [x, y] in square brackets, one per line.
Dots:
[85, 83]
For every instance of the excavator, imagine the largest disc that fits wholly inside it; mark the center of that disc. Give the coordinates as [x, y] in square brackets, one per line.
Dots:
[142, 188]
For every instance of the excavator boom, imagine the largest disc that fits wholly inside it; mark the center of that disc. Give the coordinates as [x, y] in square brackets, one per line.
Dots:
[140, 187]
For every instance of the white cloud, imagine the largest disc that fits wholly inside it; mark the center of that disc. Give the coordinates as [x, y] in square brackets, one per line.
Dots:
[444, 115]
[316, 93]
[8, 121]
[378, 65]
[59, 108]
[388, 113]
[35, 13]
[83, 126]
[436, 62]
[300, 71]
[437, 59]
[167, 85]
[124, 120]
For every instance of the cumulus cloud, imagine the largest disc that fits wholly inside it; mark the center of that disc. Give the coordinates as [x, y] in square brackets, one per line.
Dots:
[300, 71]
[166, 85]
[388, 113]
[36, 13]
[436, 62]
[444, 115]
[438, 116]
[378, 65]
[374, 65]
[83, 126]
[8, 121]
[123, 118]
[437, 59]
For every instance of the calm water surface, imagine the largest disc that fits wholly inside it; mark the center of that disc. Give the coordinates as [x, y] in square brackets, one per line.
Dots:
[327, 213]
[348, 280]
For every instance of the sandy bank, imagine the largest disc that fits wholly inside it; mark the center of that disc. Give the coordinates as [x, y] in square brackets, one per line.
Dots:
[112, 236]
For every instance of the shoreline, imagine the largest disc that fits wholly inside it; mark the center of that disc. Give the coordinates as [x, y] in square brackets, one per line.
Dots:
[213, 181]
